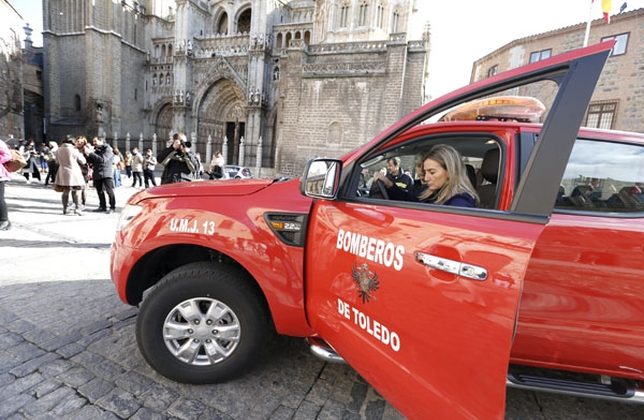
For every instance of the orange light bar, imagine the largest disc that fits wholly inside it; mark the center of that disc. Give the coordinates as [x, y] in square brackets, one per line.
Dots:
[501, 108]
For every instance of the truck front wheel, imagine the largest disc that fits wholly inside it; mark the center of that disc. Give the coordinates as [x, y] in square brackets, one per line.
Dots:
[202, 323]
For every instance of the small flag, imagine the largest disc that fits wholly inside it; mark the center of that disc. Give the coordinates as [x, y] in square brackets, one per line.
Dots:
[623, 7]
[606, 6]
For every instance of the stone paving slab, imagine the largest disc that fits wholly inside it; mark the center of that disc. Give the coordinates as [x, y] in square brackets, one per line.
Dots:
[68, 347]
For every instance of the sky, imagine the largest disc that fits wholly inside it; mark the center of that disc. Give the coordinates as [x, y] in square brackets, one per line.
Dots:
[461, 31]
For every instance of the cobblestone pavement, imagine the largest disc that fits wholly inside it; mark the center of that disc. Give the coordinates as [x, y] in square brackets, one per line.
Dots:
[68, 350]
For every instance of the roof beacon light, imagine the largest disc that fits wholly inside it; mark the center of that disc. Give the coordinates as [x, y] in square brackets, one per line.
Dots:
[498, 108]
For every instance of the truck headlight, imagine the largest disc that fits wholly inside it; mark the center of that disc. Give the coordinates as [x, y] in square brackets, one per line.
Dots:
[128, 213]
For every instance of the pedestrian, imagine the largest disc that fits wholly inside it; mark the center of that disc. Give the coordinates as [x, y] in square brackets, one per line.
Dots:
[128, 163]
[216, 166]
[69, 176]
[179, 163]
[103, 173]
[117, 163]
[52, 165]
[30, 154]
[137, 167]
[5, 156]
[81, 144]
[149, 163]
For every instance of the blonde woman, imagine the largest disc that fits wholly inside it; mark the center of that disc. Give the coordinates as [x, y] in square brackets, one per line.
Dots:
[445, 178]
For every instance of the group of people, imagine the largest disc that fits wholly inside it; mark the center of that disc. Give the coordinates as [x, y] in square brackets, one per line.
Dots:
[75, 162]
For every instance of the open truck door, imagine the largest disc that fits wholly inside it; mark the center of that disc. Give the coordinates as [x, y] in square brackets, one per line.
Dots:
[422, 301]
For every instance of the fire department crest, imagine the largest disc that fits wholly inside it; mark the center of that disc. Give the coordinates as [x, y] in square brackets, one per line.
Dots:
[366, 280]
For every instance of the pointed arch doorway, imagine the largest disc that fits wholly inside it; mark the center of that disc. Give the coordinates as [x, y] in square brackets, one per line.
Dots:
[222, 113]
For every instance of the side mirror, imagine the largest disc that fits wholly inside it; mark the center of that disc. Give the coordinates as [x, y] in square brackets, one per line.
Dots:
[321, 178]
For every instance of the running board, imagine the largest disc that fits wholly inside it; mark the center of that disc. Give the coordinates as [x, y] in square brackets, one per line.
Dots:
[323, 350]
[619, 390]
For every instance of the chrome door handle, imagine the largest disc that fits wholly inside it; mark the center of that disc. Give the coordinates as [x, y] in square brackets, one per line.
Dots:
[469, 271]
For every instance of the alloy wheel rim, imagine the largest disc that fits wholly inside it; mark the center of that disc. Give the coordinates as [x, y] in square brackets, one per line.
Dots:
[201, 331]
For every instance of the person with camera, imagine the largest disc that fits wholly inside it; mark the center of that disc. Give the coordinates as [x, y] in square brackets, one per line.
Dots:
[103, 173]
[179, 163]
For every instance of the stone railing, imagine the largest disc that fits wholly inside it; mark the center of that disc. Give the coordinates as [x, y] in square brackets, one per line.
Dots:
[348, 47]
[224, 45]
[343, 69]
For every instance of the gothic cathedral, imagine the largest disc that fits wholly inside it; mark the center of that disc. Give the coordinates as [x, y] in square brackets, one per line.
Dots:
[270, 83]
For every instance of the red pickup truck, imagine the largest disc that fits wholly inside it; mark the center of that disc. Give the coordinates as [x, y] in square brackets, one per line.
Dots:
[540, 286]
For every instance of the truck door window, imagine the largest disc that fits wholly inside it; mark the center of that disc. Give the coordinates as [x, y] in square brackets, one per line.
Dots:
[403, 164]
[603, 177]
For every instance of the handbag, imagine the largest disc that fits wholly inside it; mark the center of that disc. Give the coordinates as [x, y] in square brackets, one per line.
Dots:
[16, 163]
[59, 188]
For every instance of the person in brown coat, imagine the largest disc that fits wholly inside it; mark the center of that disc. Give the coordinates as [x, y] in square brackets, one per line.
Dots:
[69, 176]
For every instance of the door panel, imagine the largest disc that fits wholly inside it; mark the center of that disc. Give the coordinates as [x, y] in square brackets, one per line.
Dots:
[384, 311]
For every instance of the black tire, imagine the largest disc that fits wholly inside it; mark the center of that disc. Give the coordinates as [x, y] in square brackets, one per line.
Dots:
[203, 283]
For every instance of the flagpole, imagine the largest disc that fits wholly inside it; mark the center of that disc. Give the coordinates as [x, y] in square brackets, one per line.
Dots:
[590, 18]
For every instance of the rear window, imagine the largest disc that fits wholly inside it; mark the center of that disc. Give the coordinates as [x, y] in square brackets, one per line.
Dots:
[603, 177]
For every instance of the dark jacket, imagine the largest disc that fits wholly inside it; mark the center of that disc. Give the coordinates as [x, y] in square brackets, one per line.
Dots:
[101, 161]
[178, 166]
[458, 200]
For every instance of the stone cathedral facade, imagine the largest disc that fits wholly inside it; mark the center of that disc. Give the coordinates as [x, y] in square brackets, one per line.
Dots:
[271, 83]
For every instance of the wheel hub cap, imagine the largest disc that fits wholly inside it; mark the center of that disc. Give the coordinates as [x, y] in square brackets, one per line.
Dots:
[201, 331]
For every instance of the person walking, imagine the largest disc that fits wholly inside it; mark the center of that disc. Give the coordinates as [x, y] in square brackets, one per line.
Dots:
[81, 144]
[103, 173]
[5, 156]
[69, 175]
[179, 163]
[52, 165]
[117, 163]
[149, 163]
[30, 154]
[137, 167]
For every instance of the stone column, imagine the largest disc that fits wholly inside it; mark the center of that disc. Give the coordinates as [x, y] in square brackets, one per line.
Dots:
[224, 150]
[127, 142]
[141, 142]
[154, 144]
[258, 164]
[208, 150]
[241, 152]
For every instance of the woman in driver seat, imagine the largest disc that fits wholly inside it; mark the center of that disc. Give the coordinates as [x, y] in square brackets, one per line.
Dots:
[445, 177]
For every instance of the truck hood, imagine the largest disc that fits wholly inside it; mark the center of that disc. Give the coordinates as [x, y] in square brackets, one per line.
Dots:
[203, 188]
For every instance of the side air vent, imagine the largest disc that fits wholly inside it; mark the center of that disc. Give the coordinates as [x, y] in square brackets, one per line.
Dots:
[289, 227]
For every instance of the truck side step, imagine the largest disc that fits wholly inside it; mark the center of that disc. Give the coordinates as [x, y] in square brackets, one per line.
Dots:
[579, 385]
[323, 350]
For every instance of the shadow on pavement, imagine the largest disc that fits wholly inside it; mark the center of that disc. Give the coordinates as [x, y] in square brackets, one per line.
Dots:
[23, 243]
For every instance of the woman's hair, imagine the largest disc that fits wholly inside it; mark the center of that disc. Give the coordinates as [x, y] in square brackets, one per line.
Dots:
[82, 140]
[457, 182]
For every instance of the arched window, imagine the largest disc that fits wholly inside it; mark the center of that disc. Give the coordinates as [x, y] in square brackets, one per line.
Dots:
[379, 15]
[395, 17]
[168, 79]
[163, 52]
[243, 23]
[154, 79]
[288, 40]
[170, 51]
[363, 16]
[344, 15]
[298, 35]
[222, 24]
[77, 102]
[161, 79]
[156, 51]
[278, 41]
[307, 38]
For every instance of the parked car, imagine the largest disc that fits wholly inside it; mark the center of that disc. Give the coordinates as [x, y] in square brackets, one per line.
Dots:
[438, 307]
[236, 172]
